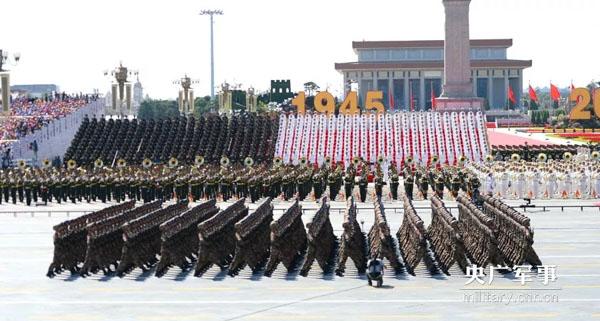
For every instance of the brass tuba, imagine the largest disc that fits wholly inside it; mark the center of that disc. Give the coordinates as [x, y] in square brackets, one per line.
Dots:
[46, 163]
[146, 163]
[199, 160]
[173, 162]
[567, 156]
[303, 161]
[98, 163]
[542, 157]
[224, 161]
[71, 164]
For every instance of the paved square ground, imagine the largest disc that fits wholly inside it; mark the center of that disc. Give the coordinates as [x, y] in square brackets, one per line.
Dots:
[570, 240]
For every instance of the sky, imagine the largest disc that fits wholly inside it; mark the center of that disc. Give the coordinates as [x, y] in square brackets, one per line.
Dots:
[71, 42]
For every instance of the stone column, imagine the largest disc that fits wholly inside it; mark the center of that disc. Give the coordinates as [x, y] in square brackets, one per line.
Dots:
[519, 92]
[490, 88]
[406, 90]
[457, 50]
[421, 90]
[506, 85]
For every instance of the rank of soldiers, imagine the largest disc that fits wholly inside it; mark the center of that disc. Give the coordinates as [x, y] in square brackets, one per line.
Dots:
[158, 236]
[226, 181]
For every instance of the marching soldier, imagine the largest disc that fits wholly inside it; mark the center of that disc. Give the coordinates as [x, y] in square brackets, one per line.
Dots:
[455, 185]
[335, 182]
[394, 181]
[439, 186]
[318, 183]
[409, 181]
[379, 182]
[349, 179]
[363, 183]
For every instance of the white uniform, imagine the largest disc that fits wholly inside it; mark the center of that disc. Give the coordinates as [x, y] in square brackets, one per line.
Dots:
[536, 183]
[561, 185]
[505, 190]
[568, 184]
[596, 185]
[520, 185]
[584, 185]
[551, 185]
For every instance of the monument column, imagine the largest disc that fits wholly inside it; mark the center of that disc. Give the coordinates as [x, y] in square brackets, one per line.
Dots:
[457, 90]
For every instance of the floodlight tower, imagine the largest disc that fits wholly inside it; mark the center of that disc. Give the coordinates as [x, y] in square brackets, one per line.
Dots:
[212, 13]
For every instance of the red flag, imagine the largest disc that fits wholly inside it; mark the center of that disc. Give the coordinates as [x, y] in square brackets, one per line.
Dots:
[572, 86]
[412, 103]
[554, 93]
[511, 95]
[532, 94]
[391, 100]
[433, 100]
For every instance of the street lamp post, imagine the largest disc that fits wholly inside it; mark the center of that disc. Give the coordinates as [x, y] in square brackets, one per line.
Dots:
[212, 13]
[186, 95]
[5, 78]
[121, 89]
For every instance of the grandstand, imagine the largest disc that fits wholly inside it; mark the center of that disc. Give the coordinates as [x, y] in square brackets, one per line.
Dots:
[51, 123]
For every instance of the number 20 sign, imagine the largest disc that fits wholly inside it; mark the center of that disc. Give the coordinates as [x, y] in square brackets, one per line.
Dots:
[325, 102]
[582, 98]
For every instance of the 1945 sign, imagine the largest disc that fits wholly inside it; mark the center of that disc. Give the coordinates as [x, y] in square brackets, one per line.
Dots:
[325, 102]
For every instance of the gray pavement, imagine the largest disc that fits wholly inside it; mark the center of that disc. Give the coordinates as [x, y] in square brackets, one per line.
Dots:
[570, 240]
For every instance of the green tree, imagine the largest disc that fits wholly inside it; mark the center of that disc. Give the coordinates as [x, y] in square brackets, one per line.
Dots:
[203, 105]
[311, 88]
[158, 109]
[145, 111]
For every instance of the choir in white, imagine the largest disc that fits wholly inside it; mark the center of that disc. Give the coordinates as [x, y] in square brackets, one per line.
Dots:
[577, 178]
[393, 136]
